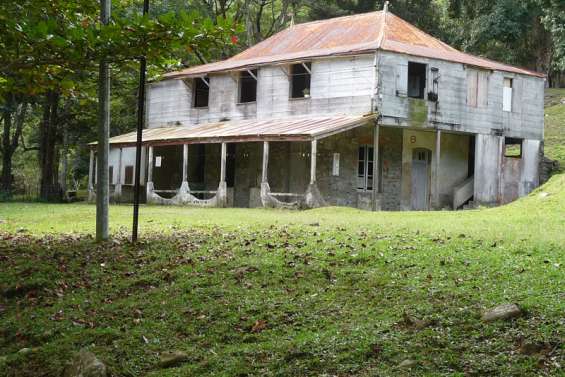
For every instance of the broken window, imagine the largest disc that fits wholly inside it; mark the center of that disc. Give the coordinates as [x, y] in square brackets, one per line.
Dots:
[248, 86]
[507, 94]
[201, 92]
[512, 147]
[128, 175]
[111, 174]
[477, 88]
[416, 80]
[300, 80]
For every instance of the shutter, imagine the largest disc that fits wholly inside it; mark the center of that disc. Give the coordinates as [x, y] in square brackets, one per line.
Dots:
[402, 80]
[482, 89]
[472, 87]
[507, 95]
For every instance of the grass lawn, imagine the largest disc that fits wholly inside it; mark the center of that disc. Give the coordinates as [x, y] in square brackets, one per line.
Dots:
[280, 293]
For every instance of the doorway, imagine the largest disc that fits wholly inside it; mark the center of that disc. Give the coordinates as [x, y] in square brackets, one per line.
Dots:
[421, 161]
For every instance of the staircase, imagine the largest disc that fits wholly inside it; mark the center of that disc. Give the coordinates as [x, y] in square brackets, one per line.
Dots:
[463, 192]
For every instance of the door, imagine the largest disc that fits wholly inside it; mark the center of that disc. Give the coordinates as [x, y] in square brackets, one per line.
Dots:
[420, 179]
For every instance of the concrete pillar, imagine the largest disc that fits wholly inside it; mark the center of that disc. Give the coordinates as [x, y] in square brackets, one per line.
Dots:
[223, 163]
[150, 165]
[375, 167]
[437, 167]
[185, 163]
[313, 162]
[265, 162]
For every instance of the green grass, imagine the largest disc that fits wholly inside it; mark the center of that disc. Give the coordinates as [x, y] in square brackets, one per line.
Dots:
[330, 287]
[555, 125]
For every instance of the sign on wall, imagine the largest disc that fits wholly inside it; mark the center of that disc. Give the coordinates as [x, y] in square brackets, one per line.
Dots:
[335, 165]
[158, 161]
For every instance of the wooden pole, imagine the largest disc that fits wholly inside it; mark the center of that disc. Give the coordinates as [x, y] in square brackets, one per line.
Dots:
[375, 166]
[437, 164]
[185, 162]
[102, 187]
[313, 161]
[265, 161]
[139, 139]
[223, 163]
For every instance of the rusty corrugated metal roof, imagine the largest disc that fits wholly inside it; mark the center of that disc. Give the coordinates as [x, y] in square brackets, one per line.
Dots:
[349, 35]
[288, 129]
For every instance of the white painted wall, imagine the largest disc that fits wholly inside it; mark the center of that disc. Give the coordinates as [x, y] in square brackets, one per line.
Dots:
[128, 158]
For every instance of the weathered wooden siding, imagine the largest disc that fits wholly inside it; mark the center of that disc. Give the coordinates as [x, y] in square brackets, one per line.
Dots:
[453, 112]
[339, 86]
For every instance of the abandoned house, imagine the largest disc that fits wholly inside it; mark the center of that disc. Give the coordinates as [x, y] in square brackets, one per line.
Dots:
[364, 111]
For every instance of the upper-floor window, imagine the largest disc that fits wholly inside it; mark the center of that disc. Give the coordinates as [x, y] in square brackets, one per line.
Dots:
[507, 94]
[201, 92]
[248, 86]
[477, 88]
[300, 80]
[416, 80]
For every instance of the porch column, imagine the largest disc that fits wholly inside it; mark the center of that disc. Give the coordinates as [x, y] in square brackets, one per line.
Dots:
[313, 162]
[265, 161]
[149, 185]
[185, 163]
[437, 165]
[91, 176]
[375, 166]
[118, 188]
[150, 165]
[222, 193]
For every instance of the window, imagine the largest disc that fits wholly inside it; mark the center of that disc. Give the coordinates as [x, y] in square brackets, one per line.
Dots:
[416, 80]
[512, 147]
[365, 168]
[128, 175]
[300, 80]
[201, 92]
[111, 174]
[248, 86]
[477, 88]
[507, 94]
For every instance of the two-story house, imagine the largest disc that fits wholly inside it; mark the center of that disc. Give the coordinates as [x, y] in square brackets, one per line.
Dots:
[365, 111]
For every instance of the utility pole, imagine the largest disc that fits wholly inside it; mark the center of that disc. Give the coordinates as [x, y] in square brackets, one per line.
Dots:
[102, 184]
[139, 141]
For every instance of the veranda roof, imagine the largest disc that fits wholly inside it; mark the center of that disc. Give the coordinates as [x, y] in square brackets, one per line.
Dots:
[287, 129]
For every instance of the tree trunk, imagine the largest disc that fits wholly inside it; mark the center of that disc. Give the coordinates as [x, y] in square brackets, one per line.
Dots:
[49, 187]
[64, 163]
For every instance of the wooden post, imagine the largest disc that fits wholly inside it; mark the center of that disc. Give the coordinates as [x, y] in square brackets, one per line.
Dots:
[265, 161]
[313, 161]
[223, 163]
[150, 165]
[437, 165]
[185, 163]
[375, 166]
[91, 170]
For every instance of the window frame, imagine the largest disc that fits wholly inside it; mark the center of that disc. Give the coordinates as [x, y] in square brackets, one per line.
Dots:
[308, 80]
[248, 77]
[195, 92]
[367, 174]
[423, 80]
[510, 141]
